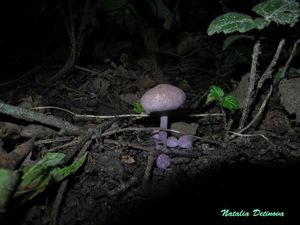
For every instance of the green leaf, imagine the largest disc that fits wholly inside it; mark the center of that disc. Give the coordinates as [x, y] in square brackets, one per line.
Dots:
[138, 108]
[261, 23]
[49, 161]
[46, 171]
[214, 94]
[231, 22]
[229, 102]
[61, 173]
[233, 38]
[40, 185]
[279, 11]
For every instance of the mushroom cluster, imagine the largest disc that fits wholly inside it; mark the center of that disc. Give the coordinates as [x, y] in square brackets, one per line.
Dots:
[162, 99]
[184, 141]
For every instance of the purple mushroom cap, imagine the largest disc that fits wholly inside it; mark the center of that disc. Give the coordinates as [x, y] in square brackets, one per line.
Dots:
[163, 161]
[172, 142]
[185, 141]
[160, 138]
[155, 135]
[163, 98]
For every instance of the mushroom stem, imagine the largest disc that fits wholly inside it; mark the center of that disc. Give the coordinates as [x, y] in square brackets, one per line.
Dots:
[163, 125]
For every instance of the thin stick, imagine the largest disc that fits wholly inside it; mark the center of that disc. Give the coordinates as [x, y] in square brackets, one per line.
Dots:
[287, 64]
[253, 135]
[88, 70]
[86, 116]
[268, 73]
[53, 140]
[63, 187]
[57, 202]
[251, 85]
[259, 113]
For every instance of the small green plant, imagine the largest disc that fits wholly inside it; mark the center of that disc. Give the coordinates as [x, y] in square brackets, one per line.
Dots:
[138, 108]
[36, 178]
[216, 94]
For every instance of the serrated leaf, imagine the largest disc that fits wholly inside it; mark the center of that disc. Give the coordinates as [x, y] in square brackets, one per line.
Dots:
[61, 173]
[233, 38]
[216, 92]
[229, 102]
[279, 11]
[231, 22]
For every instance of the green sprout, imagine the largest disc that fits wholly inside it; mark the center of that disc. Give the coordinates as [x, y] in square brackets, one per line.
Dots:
[216, 94]
[138, 108]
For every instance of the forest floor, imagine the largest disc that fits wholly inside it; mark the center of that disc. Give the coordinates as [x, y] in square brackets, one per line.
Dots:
[120, 183]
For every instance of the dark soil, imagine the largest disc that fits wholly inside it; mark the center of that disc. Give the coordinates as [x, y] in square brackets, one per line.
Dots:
[244, 174]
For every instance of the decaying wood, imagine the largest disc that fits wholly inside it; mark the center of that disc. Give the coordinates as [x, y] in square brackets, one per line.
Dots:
[32, 116]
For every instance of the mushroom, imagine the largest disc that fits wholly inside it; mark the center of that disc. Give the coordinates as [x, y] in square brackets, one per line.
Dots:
[172, 142]
[155, 135]
[185, 141]
[163, 98]
[163, 161]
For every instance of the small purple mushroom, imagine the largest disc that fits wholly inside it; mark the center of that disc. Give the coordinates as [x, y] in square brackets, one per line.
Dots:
[185, 141]
[158, 140]
[172, 142]
[163, 161]
[163, 98]
[155, 135]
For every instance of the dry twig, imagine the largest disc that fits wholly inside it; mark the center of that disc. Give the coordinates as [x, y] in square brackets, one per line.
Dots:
[288, 62]
[268, 73]
[257, 116]
[251, 85]
[253, 135]
[95, 117]
[253, 90]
